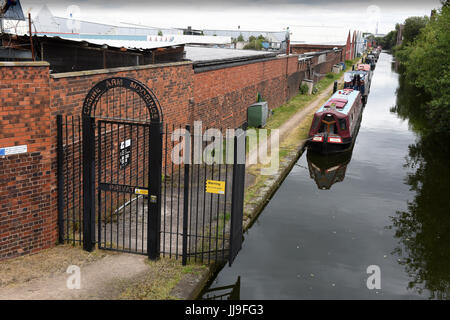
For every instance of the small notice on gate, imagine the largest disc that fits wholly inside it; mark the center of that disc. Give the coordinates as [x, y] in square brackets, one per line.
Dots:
[141, 191]
[213, 186]
[125, 153]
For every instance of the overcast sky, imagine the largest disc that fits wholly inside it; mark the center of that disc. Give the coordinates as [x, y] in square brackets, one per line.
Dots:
[306, 18]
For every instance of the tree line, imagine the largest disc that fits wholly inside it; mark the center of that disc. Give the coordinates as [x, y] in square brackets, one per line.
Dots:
[424, 62]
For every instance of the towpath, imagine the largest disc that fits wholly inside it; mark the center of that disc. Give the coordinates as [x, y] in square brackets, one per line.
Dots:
[294, 121]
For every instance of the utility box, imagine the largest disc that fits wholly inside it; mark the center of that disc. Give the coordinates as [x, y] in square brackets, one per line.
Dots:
[257, 114]
[336, 68]
[310, 85]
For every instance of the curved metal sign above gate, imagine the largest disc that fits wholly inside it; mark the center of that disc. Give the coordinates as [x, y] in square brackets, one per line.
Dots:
[147, 96]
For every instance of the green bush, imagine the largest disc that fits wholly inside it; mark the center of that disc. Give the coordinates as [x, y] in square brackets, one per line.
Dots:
[303, 89]
[330, 75]
[315, 90]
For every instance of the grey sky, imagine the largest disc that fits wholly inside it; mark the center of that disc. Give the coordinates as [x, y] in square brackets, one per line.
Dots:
[308, 19]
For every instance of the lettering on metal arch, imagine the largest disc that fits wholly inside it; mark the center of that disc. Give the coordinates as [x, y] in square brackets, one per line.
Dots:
[150, 100]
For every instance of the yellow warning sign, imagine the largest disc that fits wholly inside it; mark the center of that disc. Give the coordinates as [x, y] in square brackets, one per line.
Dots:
[141, 191]
[217, 187]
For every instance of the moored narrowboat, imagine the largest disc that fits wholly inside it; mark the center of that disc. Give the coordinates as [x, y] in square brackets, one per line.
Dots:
[370, 59]
[336, 123]
[359, 80]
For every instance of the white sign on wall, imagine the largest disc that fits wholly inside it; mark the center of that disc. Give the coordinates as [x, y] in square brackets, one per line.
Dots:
[13, 150]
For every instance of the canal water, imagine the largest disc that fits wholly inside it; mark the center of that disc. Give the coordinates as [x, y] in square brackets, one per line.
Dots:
[383, 204]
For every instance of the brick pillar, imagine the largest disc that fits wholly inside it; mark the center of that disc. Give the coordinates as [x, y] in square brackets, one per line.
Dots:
[28, 218]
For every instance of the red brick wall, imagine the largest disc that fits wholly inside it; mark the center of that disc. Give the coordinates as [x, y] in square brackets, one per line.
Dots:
[321, 69]
[28, 219]
[222, 96]
[30, 99]
[171, 83]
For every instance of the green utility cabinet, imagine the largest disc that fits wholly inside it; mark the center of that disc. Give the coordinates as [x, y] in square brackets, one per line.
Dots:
[257, 114]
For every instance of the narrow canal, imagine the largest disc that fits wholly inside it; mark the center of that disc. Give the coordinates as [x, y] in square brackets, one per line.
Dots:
[384, 204]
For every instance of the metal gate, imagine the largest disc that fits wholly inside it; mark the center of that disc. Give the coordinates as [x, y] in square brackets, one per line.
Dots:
[122, 149]
[123, 171]
[119, 189]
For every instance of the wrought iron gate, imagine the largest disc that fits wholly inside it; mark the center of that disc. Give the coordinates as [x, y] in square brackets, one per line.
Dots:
[123, 171]
[119, 188]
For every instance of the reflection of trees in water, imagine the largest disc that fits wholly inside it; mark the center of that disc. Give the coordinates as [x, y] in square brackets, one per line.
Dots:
[423, 229]
[409, 100]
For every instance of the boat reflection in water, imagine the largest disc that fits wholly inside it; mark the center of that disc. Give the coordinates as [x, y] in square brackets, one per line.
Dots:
[328, 170]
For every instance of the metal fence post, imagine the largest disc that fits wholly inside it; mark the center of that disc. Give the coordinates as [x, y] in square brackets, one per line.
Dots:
[88, 182]
[154, 191]
[60, 170]
[187, 154]
[237, 197]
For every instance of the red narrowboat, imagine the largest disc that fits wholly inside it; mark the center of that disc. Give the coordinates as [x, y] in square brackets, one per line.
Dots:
[336, 123]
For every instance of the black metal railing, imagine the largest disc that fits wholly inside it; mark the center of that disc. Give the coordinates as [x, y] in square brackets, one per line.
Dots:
[196, 224]
[70, 179]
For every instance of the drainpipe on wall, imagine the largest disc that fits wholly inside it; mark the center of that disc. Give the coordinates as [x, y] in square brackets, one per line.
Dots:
[31, 37]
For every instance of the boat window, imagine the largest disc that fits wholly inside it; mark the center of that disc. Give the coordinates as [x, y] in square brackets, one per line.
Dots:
[315, 122]
[343, 124]
[323, 127]
[328, 118]
[328, 125]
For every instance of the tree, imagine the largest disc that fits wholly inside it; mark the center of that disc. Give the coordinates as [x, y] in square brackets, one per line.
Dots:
[412, 28]
[261, 37]
[255, 43]
[240, 38]
[160, 33]
[426, 64]
[388, 41]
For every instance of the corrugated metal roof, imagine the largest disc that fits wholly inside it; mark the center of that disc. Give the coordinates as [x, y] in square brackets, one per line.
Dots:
[129, 44]
[140, 42]
[203, 54]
